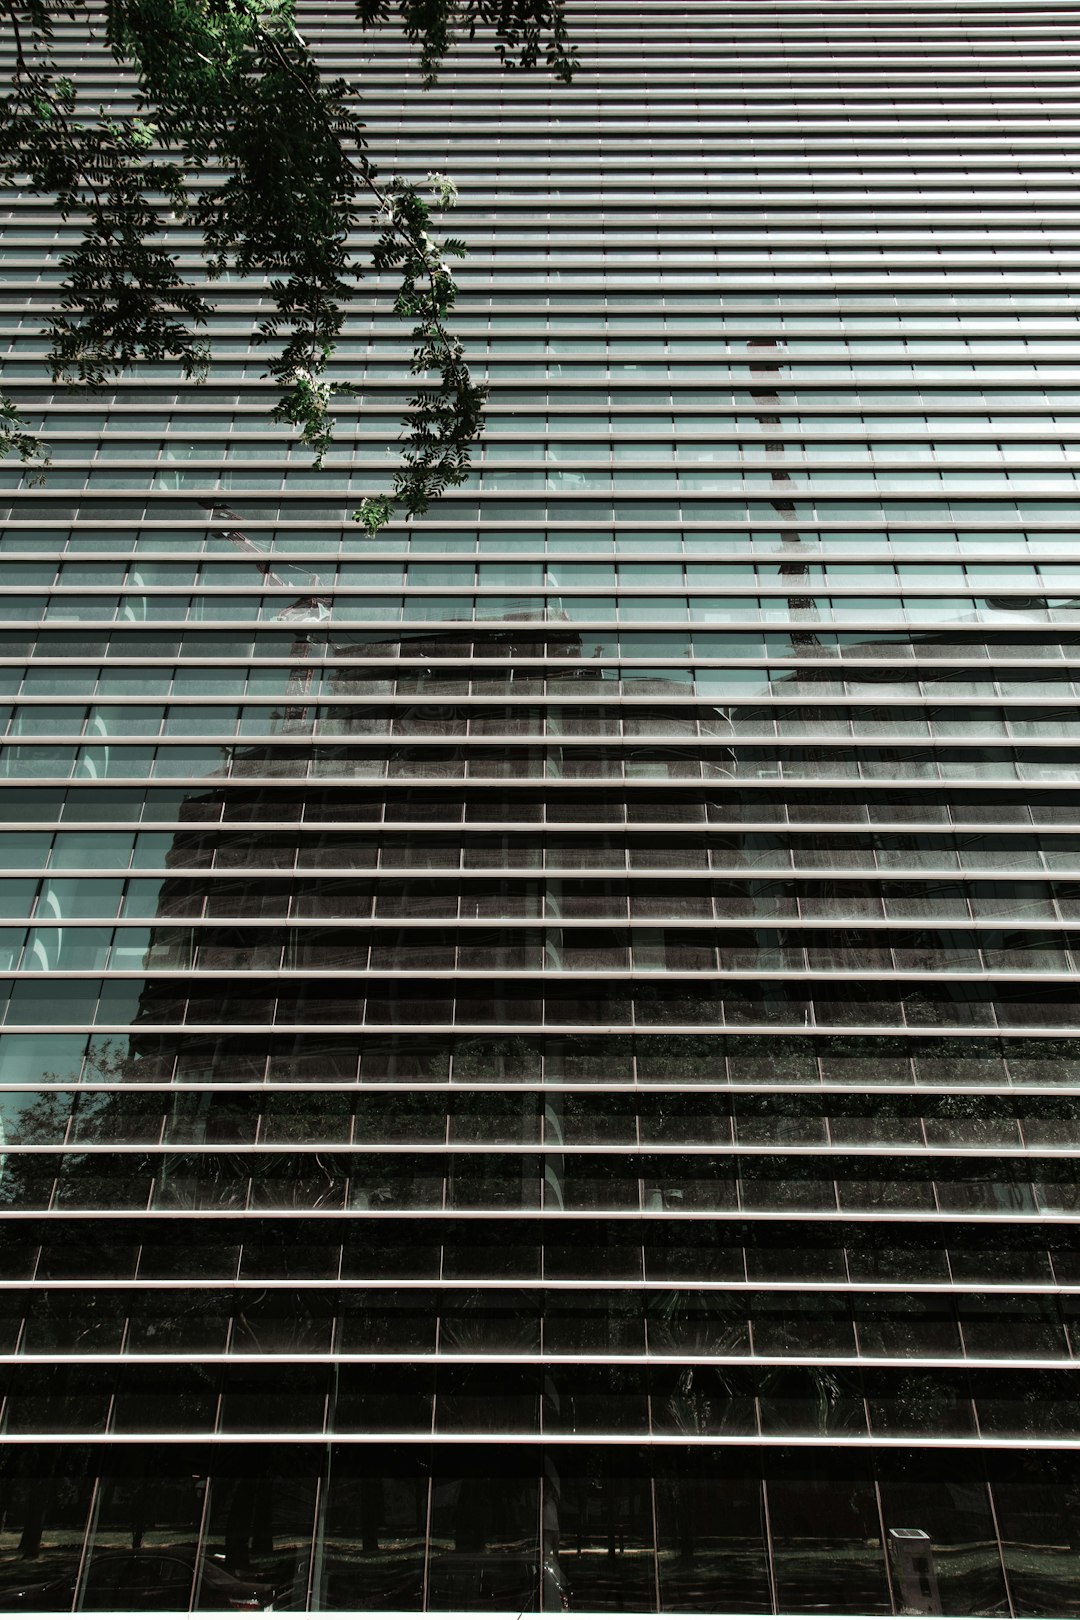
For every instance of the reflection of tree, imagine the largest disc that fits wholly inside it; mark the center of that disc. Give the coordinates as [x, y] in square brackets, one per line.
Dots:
[249, 1524]
[42, 1489]
[103, 1109]
[510, 1057]
[26, 1180]
[34, 1519]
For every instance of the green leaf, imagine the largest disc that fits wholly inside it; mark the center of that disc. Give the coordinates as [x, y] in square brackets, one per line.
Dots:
[229, 87]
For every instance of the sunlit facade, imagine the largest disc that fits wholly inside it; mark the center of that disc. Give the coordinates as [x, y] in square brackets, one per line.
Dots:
[540, 1052]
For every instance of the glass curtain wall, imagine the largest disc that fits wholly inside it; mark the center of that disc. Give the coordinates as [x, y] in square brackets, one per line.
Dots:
[540, 1054]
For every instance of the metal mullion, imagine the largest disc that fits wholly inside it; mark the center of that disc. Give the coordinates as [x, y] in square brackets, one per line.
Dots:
[429, 1488]
[829, 924]
[115, 426]
[328, 1359]
[624, 1151]
[590, 783]
[795, 873]
[827, 1215]
[1031, 830]
[637, 1088]
[533, 1438]
[601, 702]
[614, 741]
[392, 663]
[333, 1284]
[770, 588]
[538, 976]
[829, 351]
[989, 1031]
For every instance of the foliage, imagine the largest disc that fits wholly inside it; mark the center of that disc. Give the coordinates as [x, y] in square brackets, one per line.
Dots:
[524, 31]
[237, 132]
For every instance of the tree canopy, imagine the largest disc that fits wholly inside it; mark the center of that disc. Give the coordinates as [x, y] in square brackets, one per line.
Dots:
[236, 130]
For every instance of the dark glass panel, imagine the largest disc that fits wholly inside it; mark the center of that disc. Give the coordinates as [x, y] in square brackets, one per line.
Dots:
[259, 1523]
[999, 1255]
[70, 1322]
[374, 1531]
[189, 1252]
[388, 1253]
[601, 1520]
[950, 1506]
[1027, 1404]
[166, 1400]
[410, 1117]
[579, 1322]
[997, 1325]
[302, 1117]
[281, 1321]
[891, 1256]
[697, 1253]
[826, 1536]
[594, 1400]
[691, 1323]
[395, 1183]
[197, 1181]
[65, 1398]
[481, 1399]
[773, 1256]
[803, 1325]
[691, 1183]
[907, 1325]
[291, 1250]
[477, 1253]
[376, 1400]
[402, 1321]
[923, 1402]
[491, 1181]
[602, 1250]
[484, 1549]
[487, 1323]
[702, 1400]
[46, 1499]
[711, 1537]
[811, 1400]
[1037, 1508]
[19, 1252]
[288, 1396]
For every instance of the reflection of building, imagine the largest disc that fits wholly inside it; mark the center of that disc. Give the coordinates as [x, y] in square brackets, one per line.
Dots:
[581, 1105]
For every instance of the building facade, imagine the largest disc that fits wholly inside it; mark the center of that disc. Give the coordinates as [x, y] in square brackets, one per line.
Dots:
[540, 1053]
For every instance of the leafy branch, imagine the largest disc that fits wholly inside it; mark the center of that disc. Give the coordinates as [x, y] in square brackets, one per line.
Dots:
[444, 421]
[229, 87]
[524, 30]
[122, 295]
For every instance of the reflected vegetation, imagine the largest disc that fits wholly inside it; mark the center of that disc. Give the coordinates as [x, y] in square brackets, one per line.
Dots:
[377, 1527]
[541, 1113]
